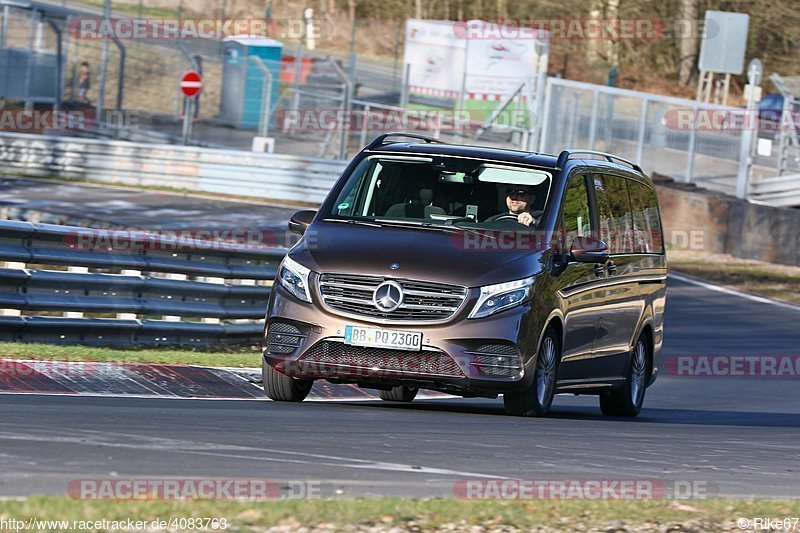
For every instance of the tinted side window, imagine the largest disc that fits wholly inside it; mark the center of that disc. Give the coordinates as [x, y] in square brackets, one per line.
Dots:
[646, 223]
[575, 217]
[614, 207]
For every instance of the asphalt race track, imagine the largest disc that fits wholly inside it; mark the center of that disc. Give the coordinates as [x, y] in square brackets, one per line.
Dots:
[96, 206]
[735, 436]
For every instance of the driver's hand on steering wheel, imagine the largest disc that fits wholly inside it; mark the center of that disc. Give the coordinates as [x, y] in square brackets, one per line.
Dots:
[525, 218]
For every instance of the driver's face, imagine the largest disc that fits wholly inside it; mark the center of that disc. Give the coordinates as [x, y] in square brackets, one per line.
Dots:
[518, 200]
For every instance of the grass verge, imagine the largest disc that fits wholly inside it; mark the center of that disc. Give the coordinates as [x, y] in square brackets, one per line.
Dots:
[248, 356]
[383, 514]
[780, 282]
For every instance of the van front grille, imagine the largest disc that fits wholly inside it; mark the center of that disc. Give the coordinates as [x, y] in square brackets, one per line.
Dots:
[422, 300]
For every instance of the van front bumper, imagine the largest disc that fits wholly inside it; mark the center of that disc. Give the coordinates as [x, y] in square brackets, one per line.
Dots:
[469, 357]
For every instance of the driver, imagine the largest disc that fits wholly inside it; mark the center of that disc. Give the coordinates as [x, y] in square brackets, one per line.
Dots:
[519, 200]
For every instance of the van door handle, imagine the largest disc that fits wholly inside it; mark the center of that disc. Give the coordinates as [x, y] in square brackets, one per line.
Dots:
[612, 268]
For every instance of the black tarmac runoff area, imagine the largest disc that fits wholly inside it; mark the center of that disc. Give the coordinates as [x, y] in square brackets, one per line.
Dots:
[728, 435]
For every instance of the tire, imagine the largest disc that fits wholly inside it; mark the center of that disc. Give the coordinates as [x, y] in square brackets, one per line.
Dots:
[282, 388]
[402, 393]
[628, 400]
[536, 401]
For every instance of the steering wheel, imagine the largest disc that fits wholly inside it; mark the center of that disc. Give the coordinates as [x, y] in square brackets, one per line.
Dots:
[507, 216]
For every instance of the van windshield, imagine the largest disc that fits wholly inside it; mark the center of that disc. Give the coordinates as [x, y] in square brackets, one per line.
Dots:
[441, 191]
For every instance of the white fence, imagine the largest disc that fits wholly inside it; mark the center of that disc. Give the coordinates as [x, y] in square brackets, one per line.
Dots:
[273, 176]
[652, 131]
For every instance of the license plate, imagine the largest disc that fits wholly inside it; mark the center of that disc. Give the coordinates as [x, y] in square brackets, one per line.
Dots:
[383, 338]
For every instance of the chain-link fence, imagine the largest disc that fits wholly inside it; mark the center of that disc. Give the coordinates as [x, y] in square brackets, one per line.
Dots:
[670, 136]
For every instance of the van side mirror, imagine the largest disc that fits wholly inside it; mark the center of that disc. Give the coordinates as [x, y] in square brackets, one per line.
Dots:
[299, 222]
[588, 250]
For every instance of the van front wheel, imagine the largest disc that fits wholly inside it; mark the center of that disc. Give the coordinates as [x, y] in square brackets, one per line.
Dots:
[537, 400]
[282, 388]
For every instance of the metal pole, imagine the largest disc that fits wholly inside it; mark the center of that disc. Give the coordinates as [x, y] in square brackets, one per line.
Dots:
[462, 95]
[59, 64]
[593, 120]
[642, 131]
[746, 142]
[396, 51]
[298, 59]
[540, 95]
[4, 28]
[363, 140]
[690, 152]
[546, 106]
[266, 94]
[187, 119]
[29, 64]
[346, 103]
[572, 125]
[103, 64]
[404, 87]
[121, 76]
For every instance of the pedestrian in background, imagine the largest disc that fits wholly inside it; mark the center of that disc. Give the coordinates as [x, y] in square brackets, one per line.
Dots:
[84, 82]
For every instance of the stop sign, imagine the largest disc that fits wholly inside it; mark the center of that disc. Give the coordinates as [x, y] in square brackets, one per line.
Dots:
[191, 83]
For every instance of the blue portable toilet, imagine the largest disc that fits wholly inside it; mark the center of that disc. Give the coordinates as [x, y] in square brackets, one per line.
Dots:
[243, 80]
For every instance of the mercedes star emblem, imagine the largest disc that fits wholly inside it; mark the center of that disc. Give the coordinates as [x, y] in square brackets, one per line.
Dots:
[388, 296]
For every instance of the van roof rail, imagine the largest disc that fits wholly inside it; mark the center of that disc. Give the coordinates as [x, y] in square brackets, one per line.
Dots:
[381, 139]
[565, 155]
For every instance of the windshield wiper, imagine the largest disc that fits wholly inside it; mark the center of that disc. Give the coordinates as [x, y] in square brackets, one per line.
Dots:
[415, 223]
[371, 223]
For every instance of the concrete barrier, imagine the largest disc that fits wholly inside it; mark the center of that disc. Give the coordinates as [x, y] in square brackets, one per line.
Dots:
[714, 222]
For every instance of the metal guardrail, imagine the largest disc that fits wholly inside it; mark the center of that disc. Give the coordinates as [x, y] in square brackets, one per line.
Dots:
[269, 176]
[145, 289]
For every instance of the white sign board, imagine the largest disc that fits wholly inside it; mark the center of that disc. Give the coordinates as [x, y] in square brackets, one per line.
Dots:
[724, 42]
[497, 59]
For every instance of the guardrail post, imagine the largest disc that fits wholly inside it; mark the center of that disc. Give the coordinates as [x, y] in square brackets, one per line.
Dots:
[220, 281]
[17, 266]
[77, 270]
[173, 318]
[128, 316]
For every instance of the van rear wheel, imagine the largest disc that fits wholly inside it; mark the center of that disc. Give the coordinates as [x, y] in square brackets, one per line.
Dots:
[536, 401]
[283, 388]
[401, 393]
[628, 400]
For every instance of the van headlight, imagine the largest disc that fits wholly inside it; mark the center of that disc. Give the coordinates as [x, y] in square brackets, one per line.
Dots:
[294, 278]
[495, 298]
